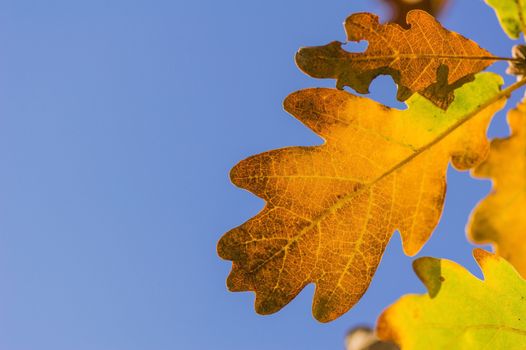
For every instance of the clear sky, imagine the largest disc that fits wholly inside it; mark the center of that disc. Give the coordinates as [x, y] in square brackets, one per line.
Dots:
[119, 122]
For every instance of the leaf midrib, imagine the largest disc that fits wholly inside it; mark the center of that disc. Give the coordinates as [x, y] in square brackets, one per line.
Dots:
[362, 56]
[345, 199]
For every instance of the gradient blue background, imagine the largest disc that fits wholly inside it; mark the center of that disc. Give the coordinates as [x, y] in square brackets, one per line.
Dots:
[119, 122]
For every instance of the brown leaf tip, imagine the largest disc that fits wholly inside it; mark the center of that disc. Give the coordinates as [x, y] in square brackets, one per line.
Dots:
[323, 311]
[319, 61]
[359, 24]
[429, 271]
[483, 256]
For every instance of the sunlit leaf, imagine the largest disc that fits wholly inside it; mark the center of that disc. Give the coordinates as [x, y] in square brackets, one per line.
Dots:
[331, 209]
[500, 219]
[460, 311]
[511, 14]
[426, 58]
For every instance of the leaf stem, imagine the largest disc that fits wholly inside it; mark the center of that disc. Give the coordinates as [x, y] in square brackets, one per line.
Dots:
[427, 56]
[504, 59]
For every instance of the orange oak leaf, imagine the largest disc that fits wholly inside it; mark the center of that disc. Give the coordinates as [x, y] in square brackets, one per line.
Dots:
[426, 58]
[400, 8]
[331, 209]
[500, 218]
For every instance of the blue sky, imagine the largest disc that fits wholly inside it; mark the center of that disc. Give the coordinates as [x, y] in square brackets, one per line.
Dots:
[119, 122]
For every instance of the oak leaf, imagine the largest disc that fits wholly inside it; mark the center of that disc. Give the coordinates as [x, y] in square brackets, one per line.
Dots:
[460, 311]
[331, 209]
[511, 14]
[400, 8]
[501, 217]
[426, 58]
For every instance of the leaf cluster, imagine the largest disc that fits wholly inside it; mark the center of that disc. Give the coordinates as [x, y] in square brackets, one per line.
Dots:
[331, 209]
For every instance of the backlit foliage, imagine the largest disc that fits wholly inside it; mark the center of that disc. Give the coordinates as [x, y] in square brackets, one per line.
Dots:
[426, 58]
[501, 217]
[331, 209]
[460, 311]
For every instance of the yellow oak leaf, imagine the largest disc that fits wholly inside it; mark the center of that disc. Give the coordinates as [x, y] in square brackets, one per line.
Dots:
[500, 218]
[460, 311]
[331, 209]
[426, 58]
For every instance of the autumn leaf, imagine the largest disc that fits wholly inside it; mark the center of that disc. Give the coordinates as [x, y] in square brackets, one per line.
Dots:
[400, 8]
[511, 14]
[331, 209]
[460, 311]
[426, 58]
[501, 217]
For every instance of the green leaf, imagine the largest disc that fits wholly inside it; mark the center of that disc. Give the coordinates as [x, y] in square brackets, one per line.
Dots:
[460, 311]
[511, 15]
